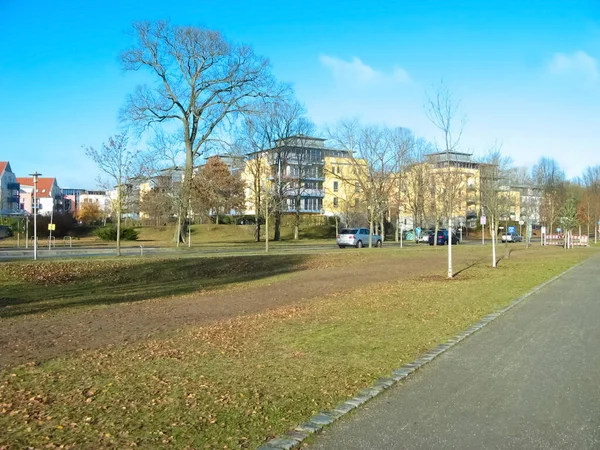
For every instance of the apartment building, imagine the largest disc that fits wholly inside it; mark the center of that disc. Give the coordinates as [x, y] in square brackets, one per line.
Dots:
[49, 196]
[9, 190]
[308, 174]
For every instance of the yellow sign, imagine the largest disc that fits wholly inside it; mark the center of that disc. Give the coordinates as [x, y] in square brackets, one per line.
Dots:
[51, 226]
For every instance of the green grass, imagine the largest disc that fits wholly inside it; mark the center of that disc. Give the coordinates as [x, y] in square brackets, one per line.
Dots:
[202, 235]
[236, 383]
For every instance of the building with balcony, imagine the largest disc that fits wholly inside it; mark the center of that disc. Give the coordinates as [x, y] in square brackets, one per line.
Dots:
[49, 196]
[305, 171]
[9, 190]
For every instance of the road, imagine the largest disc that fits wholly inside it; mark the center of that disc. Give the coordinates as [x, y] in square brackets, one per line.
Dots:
[13, 253]
[529, 380]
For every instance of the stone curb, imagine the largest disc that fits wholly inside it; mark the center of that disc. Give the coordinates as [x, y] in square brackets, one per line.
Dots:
[293, 438]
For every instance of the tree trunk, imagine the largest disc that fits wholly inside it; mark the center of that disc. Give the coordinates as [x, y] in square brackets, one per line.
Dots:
[493, 242]
[119, 209]
[450, 271]
[371, 232]
[396, 233]
[277, 231]
[297, 222]
[437, 227]
[267, 230]
[337, 225]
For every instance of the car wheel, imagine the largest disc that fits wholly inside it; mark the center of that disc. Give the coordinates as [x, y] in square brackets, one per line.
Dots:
[341, 246]
[359, 244]
[379, 244]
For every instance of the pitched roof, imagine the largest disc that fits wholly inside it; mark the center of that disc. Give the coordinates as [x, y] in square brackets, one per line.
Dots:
[3, 165]
[44, 185]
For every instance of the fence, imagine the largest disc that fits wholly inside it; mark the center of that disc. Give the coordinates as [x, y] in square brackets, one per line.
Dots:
[559, 239]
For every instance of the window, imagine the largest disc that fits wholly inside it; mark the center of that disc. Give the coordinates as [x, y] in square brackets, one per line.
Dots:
[335, 186]
[335, 202]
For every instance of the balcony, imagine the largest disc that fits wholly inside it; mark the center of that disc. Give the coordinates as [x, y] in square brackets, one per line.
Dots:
[306, 192]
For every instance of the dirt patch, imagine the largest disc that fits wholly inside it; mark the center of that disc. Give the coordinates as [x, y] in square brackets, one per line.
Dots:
[39, 337]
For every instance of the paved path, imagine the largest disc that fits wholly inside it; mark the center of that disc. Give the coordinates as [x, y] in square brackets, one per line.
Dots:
[529, 380]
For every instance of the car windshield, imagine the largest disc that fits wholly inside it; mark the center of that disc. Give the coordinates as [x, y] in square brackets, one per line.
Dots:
[349, 231]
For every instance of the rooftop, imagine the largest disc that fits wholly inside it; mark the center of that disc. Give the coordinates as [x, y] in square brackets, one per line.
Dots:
[44, 185]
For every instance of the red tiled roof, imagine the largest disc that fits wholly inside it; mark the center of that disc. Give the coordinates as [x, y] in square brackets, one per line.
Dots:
[44, 185]
[3, 165]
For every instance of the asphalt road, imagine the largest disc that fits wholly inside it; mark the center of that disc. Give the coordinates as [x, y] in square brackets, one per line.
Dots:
[66, 252]
[529, 380]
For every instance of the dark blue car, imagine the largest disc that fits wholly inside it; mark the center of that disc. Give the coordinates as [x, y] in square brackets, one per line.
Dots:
[442, 238]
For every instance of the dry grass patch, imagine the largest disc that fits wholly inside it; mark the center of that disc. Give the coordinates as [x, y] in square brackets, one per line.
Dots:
[239, 382]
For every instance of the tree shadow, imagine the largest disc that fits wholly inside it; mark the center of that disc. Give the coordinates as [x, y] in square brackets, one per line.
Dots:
[147, 280]
[467, 267]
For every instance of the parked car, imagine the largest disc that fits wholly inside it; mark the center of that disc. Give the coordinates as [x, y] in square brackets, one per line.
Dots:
[424, 237]
[5, 231]
[357, 237]
[512, 237]
[442, 238]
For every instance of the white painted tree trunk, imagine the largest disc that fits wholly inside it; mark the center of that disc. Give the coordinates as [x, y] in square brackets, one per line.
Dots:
[493, 242]
[450, 271]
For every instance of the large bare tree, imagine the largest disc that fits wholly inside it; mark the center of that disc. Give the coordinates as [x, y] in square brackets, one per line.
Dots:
[201, 81]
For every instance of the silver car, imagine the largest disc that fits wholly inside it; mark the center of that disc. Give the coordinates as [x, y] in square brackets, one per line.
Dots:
[356, 237]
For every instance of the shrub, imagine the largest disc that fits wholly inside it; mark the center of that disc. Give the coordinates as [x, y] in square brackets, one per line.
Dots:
[110, 234]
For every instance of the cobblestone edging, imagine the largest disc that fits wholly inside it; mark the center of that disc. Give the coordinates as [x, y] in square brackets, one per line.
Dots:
[292, 439]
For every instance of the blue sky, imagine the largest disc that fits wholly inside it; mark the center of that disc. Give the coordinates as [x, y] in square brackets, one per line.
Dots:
[528, 72]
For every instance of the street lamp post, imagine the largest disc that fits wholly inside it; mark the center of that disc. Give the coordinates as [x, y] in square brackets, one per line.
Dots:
[35, 176]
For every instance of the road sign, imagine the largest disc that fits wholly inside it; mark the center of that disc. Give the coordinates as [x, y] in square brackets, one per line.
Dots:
[512, 229]
[483, 220]
[521, 222]
[418, 231]
[51, 226]
[558, 230]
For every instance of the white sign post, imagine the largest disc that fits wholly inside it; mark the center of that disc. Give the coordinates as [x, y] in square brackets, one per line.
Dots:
[543, 235]
[482, 221]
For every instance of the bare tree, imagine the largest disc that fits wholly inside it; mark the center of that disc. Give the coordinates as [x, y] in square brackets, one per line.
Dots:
[374, 160]
[591, 182]
[201, 82]
[494, 172]
[120, 164]
[551, 179]
[417, 182]
[272, 139]
[442, 111]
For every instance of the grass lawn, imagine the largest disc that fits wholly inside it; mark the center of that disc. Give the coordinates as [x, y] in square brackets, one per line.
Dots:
[237, 383]
[49, 286]
[202, 235]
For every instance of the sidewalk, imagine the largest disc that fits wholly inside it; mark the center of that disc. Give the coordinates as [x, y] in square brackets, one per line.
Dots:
[529, 380]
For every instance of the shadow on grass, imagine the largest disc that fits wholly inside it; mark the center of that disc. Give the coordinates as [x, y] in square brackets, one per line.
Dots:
[143, 281]
[468, 266]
